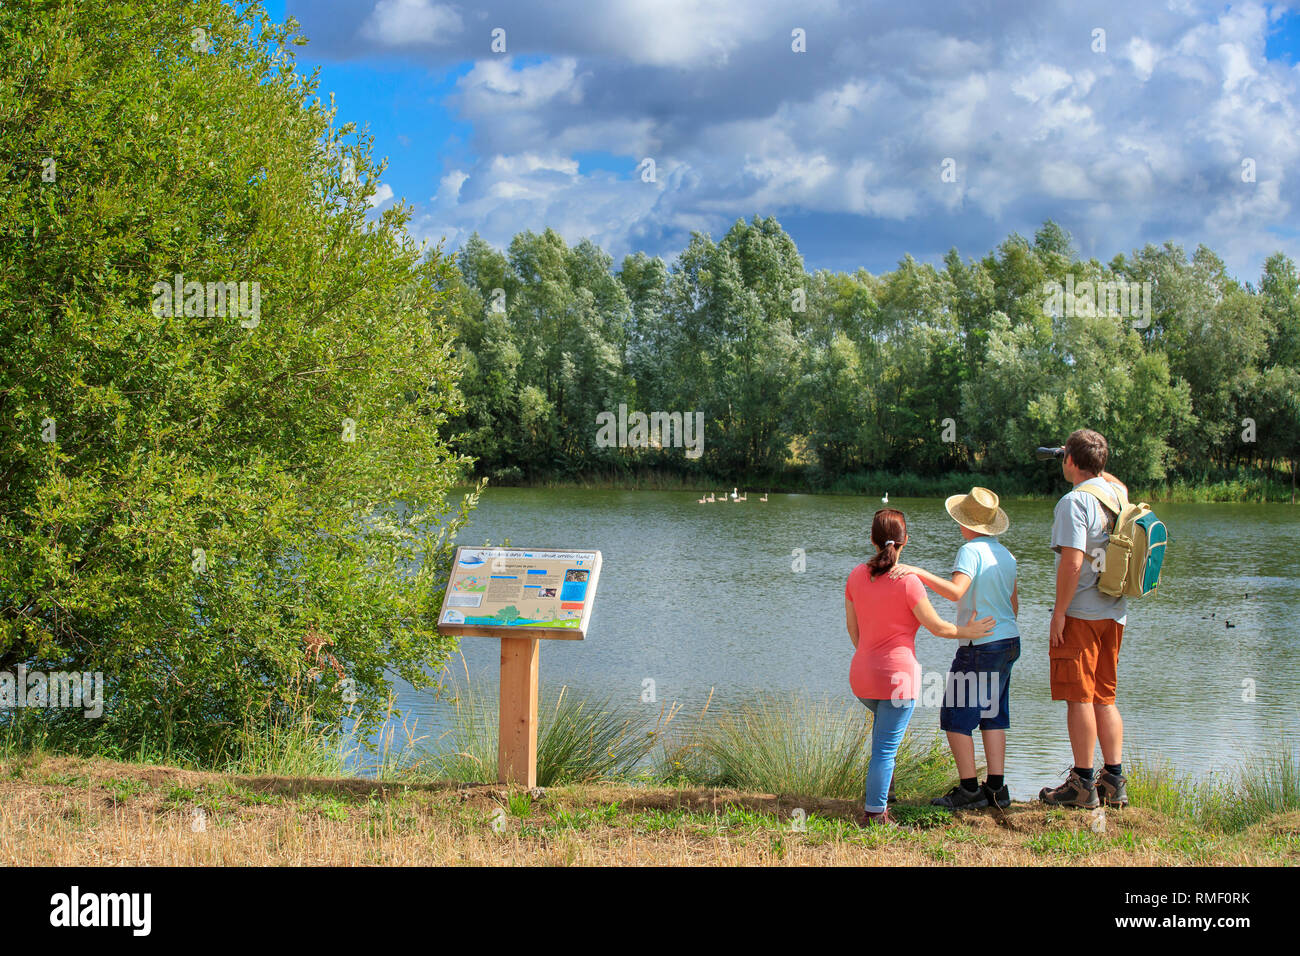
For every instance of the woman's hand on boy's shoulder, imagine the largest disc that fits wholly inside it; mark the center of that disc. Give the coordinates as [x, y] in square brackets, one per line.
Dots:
[902, 571]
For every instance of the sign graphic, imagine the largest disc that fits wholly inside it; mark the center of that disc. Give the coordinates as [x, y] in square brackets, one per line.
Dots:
[496, 592]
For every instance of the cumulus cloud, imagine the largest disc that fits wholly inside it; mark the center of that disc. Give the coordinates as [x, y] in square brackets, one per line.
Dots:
[1142, 141]
[411, 22]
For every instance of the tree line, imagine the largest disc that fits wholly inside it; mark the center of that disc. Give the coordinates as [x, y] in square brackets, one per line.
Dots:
[808, 377]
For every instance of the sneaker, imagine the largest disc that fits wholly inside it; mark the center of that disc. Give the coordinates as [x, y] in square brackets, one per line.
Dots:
[1075, 792]
[959, 798]
[1112, 788]
[882, 819]
[999, 798]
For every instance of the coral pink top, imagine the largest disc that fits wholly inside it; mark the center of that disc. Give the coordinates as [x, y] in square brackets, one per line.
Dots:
[884, 665]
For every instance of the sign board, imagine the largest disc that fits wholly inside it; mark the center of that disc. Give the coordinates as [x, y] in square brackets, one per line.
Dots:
[520, 595]
[520, 592]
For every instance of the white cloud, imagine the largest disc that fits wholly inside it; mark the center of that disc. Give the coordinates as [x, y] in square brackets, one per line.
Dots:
[381, 195]
[495, 86]
[1041, 83]
[1142, 143]
[532, 162]
[1143, 56]
[449, 186]
[411, 23]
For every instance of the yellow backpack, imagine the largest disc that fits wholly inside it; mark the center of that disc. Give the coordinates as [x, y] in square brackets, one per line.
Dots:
[1135, 552]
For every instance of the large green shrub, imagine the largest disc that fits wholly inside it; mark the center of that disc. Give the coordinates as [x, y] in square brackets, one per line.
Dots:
[226, 512]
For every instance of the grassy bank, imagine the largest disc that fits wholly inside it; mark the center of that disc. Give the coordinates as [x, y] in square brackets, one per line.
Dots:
[776, 781]
[73, 811]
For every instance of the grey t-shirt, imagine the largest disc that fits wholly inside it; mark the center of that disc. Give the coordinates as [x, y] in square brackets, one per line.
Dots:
[1081, 522]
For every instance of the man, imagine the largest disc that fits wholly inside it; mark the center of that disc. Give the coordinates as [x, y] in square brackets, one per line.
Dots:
[1086, 631]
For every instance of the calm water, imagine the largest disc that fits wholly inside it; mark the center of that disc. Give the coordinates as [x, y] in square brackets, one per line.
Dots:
[703, 597]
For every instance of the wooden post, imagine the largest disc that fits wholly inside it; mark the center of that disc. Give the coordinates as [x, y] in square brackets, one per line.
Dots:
[517, 750]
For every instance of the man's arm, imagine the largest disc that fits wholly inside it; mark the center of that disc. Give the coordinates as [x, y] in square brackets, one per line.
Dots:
[1067, 581]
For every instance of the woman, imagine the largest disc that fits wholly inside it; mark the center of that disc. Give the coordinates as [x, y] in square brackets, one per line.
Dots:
[882, 615]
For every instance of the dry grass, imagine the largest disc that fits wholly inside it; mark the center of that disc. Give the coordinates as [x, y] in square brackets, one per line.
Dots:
[62, 810]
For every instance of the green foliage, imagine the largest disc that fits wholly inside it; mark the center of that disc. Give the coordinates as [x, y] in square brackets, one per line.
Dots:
[226, 512]
[809, 380]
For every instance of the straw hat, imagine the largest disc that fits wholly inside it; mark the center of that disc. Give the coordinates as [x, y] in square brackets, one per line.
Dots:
[978, 511]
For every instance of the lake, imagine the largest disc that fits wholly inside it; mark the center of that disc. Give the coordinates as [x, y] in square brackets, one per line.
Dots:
[702, 598]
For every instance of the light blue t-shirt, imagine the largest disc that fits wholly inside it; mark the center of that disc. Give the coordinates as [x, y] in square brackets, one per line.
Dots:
[992, 572]
[1081, 522]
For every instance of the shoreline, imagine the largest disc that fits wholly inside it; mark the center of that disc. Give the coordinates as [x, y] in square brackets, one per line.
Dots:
[1179, 492]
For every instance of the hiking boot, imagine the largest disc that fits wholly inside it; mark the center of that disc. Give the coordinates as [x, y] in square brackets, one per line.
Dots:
[959, 798]
[996, 798]
[1112, 788]
[1075, 792]
[883, 819]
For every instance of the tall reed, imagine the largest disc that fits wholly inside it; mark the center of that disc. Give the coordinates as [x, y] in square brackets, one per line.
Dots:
[579, 739]
[779, 743]
[1261, 786]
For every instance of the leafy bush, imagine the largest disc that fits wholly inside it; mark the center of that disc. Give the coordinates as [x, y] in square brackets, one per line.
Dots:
[230, 511]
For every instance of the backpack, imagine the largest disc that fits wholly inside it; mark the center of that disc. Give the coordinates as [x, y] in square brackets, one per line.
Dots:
[1136, 550]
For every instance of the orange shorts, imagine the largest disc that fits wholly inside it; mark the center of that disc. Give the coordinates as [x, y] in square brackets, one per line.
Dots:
[1085, 666]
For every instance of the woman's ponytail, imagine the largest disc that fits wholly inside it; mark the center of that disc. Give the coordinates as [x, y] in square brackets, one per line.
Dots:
[888, 532]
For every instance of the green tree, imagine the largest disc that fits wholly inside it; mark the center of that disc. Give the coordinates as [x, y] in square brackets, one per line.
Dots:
[226, 511]
[1279, 289]
[731, 308]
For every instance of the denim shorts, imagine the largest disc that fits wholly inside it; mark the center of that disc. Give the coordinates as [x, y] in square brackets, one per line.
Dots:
[978, 692]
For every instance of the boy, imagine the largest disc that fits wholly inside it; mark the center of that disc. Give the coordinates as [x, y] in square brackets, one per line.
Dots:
[983, 584]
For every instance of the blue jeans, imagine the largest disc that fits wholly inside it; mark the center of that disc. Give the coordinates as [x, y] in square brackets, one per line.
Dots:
[888, 724]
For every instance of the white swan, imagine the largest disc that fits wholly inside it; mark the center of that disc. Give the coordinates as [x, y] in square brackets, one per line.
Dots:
[885, 500]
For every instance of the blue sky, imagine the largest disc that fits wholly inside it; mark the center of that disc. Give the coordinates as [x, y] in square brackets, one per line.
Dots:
[1140, 138]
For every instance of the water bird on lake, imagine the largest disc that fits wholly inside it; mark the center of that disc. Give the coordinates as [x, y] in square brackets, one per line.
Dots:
[711, 499]
[885, 500]
[734, 496]
[764, 498]
[1228, 624]
[744, 497]
[703, 501]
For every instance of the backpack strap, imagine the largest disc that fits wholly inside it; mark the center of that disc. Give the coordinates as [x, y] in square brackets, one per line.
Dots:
[1114, 503]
